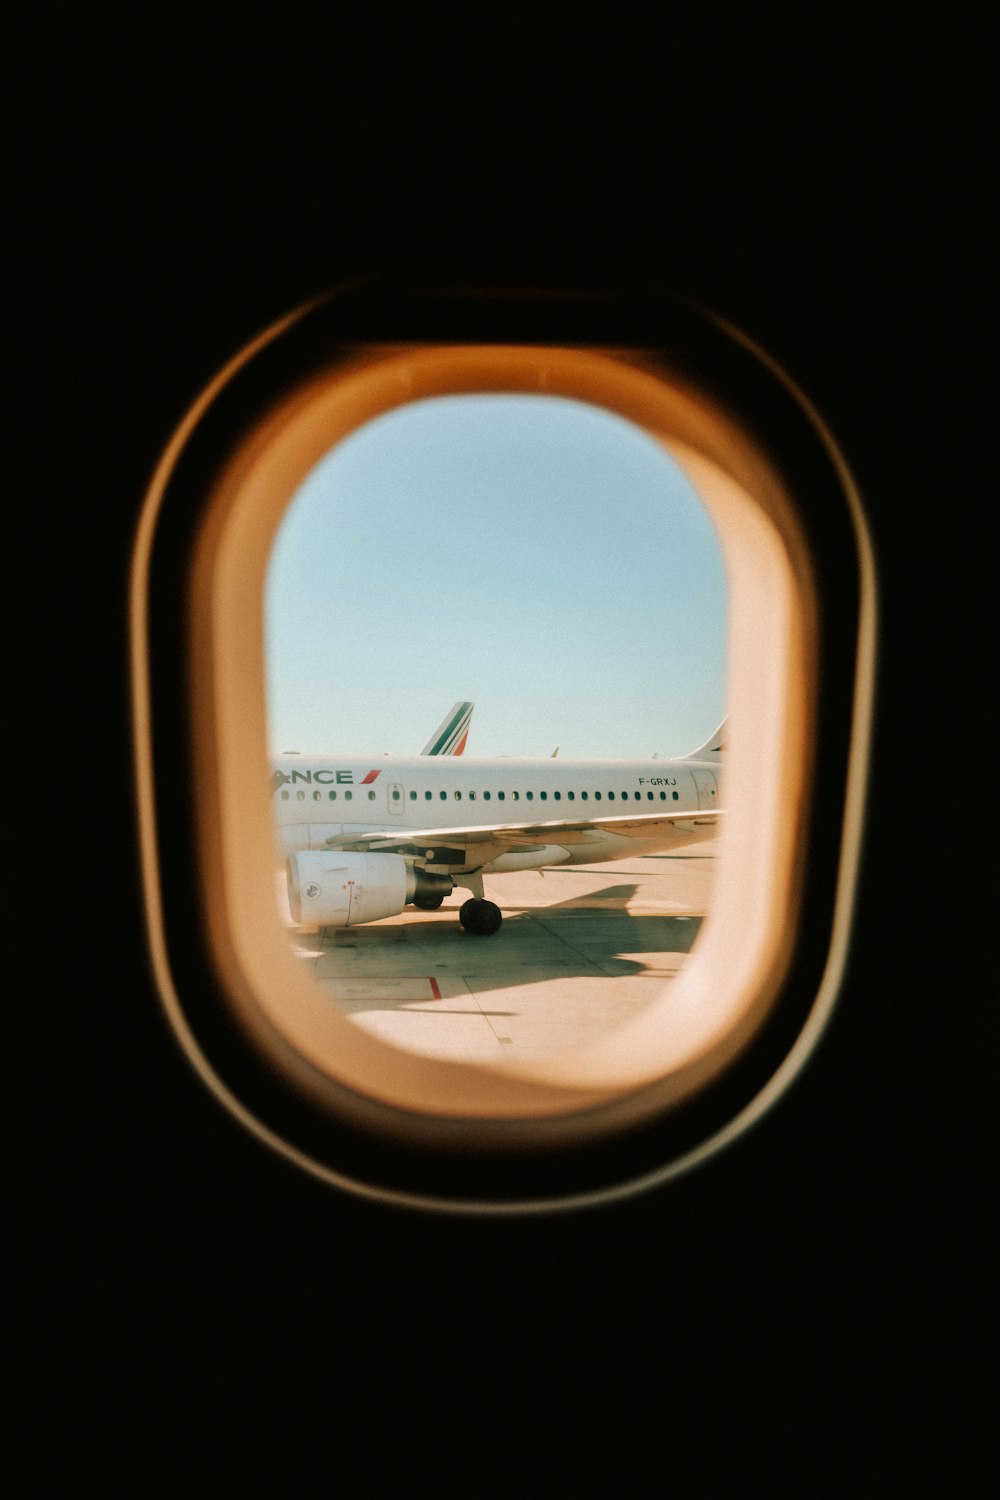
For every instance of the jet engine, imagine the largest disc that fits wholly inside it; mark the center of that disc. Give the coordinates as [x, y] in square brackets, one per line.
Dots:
[327, 888]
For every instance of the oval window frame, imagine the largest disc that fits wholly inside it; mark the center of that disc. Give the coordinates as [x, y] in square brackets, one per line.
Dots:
[515, 1136]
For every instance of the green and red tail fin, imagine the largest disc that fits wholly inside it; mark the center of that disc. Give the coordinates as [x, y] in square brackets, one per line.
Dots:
[451, 734]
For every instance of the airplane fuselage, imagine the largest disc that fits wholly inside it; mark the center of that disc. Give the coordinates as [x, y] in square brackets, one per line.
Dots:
[319, 798]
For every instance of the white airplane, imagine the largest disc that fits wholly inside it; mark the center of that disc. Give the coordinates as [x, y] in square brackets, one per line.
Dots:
[364, 839]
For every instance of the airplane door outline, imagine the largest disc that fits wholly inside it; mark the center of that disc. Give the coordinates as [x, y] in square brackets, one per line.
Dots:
[707, 788]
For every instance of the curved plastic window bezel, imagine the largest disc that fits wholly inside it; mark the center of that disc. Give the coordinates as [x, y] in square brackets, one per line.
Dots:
[667, 1089]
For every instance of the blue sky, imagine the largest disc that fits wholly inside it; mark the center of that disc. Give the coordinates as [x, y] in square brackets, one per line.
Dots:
[543, 557]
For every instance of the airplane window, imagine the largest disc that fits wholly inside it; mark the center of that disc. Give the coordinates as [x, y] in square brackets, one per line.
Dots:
[486, 796]
[376, 461]
[571, 796]
[413, 796]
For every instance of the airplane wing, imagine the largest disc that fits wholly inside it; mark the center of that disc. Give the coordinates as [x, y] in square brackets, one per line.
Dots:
[483, 843]
[451, 734]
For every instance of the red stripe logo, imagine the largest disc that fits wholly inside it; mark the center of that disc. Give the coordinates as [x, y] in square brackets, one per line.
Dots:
[370, 777]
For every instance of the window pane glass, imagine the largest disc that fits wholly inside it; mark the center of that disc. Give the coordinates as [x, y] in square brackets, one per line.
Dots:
[416, 493]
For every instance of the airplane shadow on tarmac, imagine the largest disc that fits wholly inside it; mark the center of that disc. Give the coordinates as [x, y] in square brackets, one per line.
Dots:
[423, 960]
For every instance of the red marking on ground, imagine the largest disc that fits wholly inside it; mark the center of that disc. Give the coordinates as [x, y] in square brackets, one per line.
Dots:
[434, 989]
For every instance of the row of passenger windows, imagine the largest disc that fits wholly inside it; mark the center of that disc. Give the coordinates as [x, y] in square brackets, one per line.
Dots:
[487, 796]
[543, 796]
[317, 796]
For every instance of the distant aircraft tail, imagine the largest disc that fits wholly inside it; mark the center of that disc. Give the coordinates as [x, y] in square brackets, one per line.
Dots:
[451, 734]
[712, 748]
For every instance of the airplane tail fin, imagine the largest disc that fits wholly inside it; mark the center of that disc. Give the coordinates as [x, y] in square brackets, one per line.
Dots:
[712, 748]
[451, 734]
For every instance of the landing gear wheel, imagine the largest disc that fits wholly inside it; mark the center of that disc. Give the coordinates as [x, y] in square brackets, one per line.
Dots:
[480, 917]
[428, 903]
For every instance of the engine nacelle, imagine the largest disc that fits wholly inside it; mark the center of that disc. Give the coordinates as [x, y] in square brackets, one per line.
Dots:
[327, 888]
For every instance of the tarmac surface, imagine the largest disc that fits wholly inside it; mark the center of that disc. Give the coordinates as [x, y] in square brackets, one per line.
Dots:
[581, 948]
